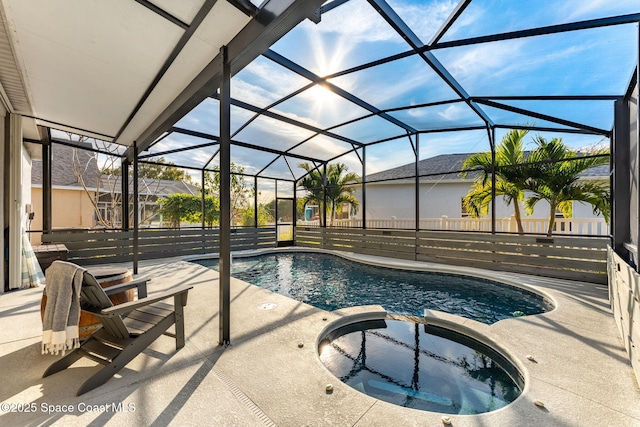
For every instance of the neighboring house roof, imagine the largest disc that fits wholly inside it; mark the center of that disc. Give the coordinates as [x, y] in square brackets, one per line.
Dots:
[146, 186]
[63, 174]
[597, 172]
[437, 165]
[446, 166]
[62, 171]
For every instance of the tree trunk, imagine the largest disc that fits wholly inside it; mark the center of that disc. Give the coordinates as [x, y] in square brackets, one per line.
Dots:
[552, 218]
[516, 210]
[333, 211]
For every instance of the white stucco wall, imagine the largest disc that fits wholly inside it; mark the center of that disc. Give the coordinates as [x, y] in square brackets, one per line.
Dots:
[386, 200]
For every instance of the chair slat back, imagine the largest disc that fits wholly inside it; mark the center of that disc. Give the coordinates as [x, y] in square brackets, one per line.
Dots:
[93, 294]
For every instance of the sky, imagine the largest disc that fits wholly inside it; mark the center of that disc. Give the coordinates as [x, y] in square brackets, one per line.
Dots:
[587, 62]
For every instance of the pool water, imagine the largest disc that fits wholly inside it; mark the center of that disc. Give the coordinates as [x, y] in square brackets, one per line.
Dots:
[421, 366]
[330, 282]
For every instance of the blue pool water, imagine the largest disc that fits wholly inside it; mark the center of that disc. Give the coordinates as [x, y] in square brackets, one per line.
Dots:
[421, 366]
[330, 282]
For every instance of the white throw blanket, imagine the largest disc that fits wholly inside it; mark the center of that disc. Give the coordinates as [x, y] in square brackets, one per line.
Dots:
[60, 331]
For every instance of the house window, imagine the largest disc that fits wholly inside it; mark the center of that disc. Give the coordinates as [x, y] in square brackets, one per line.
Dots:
[109, 213]
[463, 210]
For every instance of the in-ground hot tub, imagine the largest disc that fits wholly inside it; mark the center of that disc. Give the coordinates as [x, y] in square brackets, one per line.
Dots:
[421, 366]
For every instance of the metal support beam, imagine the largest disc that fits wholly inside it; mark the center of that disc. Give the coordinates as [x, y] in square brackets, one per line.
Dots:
[544, 117]
[548, 98]
[324, 195]
[4, 178]
[125, 194]
[203, 203]
[136, 216]
[245, 6]
[295, 210]
[47, 159]
[416, 150]
[275, 209]
[224, 332]
[166, 15]
[15, 208]
[180, 150]
[621, 178]
[455, 14]
[492, 143]
[364, 188]
[255, 201]
[331, 5]
[275, 159]
[552, 29]
[59, 125]
[548, 129]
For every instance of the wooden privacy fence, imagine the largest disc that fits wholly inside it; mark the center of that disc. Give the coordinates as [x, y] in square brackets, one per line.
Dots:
[103, 247]
[567, 257]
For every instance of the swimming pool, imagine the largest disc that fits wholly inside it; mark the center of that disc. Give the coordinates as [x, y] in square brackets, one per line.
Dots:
[330, 282]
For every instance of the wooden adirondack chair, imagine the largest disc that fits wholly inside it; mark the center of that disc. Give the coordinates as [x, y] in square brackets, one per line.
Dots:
[127, 329]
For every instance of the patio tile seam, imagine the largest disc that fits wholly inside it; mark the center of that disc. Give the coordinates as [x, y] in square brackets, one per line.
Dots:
[587, 398]
[243, 398]
[365, 413]
[35, 337]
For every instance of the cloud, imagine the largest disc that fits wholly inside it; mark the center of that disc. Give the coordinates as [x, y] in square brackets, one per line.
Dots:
[413, 82]
[388, 155]
[579, 9]
[252, 94]
[424, 19]
[453, 112]
[323, 147]
[364, 23]
[453, 142]
[479, 61]
[262, 82]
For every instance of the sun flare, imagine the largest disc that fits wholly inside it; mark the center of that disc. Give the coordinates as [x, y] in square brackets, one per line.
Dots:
[320, 96]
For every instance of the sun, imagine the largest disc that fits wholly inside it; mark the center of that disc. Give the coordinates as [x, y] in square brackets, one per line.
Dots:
[320, 93]
[321, 98]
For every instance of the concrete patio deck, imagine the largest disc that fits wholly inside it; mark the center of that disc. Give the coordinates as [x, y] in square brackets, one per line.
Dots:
[581, 371]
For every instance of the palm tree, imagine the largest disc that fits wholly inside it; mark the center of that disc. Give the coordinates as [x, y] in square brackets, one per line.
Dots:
[510, 180]
[339, 188]
[555, 179]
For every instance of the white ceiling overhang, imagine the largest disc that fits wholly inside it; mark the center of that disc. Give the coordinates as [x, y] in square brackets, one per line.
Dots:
[106, 69]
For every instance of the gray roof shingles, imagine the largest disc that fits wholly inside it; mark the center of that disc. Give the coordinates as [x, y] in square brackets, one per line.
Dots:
[62, 174]
[447, 166]
[437, 166]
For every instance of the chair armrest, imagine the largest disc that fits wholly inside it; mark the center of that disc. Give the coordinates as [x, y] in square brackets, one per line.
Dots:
[180, 295]
[140, 283]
